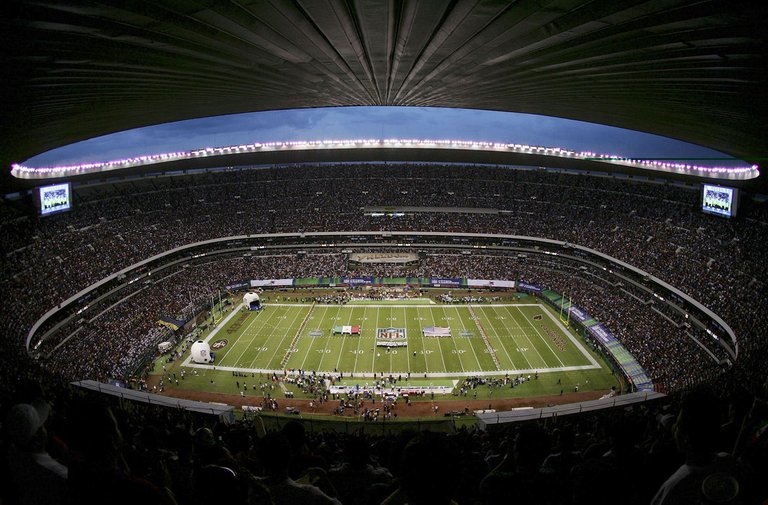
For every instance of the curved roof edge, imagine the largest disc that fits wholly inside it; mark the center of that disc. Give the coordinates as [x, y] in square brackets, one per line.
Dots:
[385, 150]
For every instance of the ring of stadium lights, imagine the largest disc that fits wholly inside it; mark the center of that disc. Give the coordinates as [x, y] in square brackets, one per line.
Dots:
[55, 172]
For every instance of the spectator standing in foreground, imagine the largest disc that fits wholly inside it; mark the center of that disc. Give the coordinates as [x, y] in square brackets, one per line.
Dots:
[35, 475]
[706, 476]
[276, 454]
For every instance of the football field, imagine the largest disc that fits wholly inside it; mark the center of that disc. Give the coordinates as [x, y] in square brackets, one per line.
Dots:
[481, 339]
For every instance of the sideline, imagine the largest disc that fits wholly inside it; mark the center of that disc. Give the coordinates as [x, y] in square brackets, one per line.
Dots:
[212, 334]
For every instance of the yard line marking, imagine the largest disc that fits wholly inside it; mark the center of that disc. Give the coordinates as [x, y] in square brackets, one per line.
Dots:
[279, 344]
[389, 306]
[312, 345]
[327, 340]
[498, 337]
[242, 333]
[390, 351]
[405, 326]
[424, 344]
[440, 345]
[275, 325]
[514, 337]
[573, 339]
[541, 337]
[273, 328]
[437, 375]
[407, 350]
[275, 340]
[524, 335]
[373, 351]
[362, 329]
[464, 327]
[487, 342]
[341, 351]
[434, 306]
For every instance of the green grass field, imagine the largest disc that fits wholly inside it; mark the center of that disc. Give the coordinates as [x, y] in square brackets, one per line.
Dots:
[485, 340]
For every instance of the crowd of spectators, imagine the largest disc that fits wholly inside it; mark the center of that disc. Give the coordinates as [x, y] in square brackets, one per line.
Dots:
[128, 331]
[133, 454]
[650, 225]
[693, 448]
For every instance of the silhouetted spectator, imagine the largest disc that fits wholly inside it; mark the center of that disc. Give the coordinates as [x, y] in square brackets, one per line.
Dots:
[706, 476]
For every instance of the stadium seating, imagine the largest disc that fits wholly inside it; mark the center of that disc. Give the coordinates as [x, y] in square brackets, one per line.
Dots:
[651, 225]
[112, 228]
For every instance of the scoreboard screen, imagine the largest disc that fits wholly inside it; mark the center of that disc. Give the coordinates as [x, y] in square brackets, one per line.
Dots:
[55, 198]
[719, 200]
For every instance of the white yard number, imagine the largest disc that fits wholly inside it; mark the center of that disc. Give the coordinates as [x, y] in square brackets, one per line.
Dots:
[358, 351]
[324, 351]
[458, 351]
[522, 349]
[261, 349]
[292, 349]
[428, 351]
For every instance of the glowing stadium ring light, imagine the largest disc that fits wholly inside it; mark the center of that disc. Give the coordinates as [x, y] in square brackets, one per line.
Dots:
[742, 173]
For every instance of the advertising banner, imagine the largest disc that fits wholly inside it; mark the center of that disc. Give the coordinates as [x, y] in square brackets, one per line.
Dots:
[578, 314]
[271, 283]
[486, 283]
[358, 281]
[383, 257]
[524, 286]
[237, 285]
[601, 332]
[446, 282]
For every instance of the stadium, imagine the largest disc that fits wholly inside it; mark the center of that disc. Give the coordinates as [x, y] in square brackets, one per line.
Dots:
[311, 321]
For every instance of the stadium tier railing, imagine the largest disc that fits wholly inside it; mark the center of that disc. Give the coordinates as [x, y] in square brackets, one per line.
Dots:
[225, 413]
[486, 418]
[271, 421]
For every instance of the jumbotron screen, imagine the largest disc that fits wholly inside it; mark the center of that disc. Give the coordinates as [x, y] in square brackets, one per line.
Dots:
[56, 198]
[719, 200]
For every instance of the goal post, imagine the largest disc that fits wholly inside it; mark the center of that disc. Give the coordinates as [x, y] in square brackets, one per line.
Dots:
[565, 313]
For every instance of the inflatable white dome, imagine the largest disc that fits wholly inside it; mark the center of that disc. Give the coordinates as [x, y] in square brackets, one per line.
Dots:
[251, 301]
[201, 352]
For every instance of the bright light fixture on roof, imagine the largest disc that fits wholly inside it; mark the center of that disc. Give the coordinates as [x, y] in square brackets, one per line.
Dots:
[742, 173]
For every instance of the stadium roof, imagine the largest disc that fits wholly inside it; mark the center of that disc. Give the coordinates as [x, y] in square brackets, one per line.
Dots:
[688, 69]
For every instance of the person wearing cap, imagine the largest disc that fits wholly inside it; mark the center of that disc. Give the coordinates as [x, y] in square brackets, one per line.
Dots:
[37, 477]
